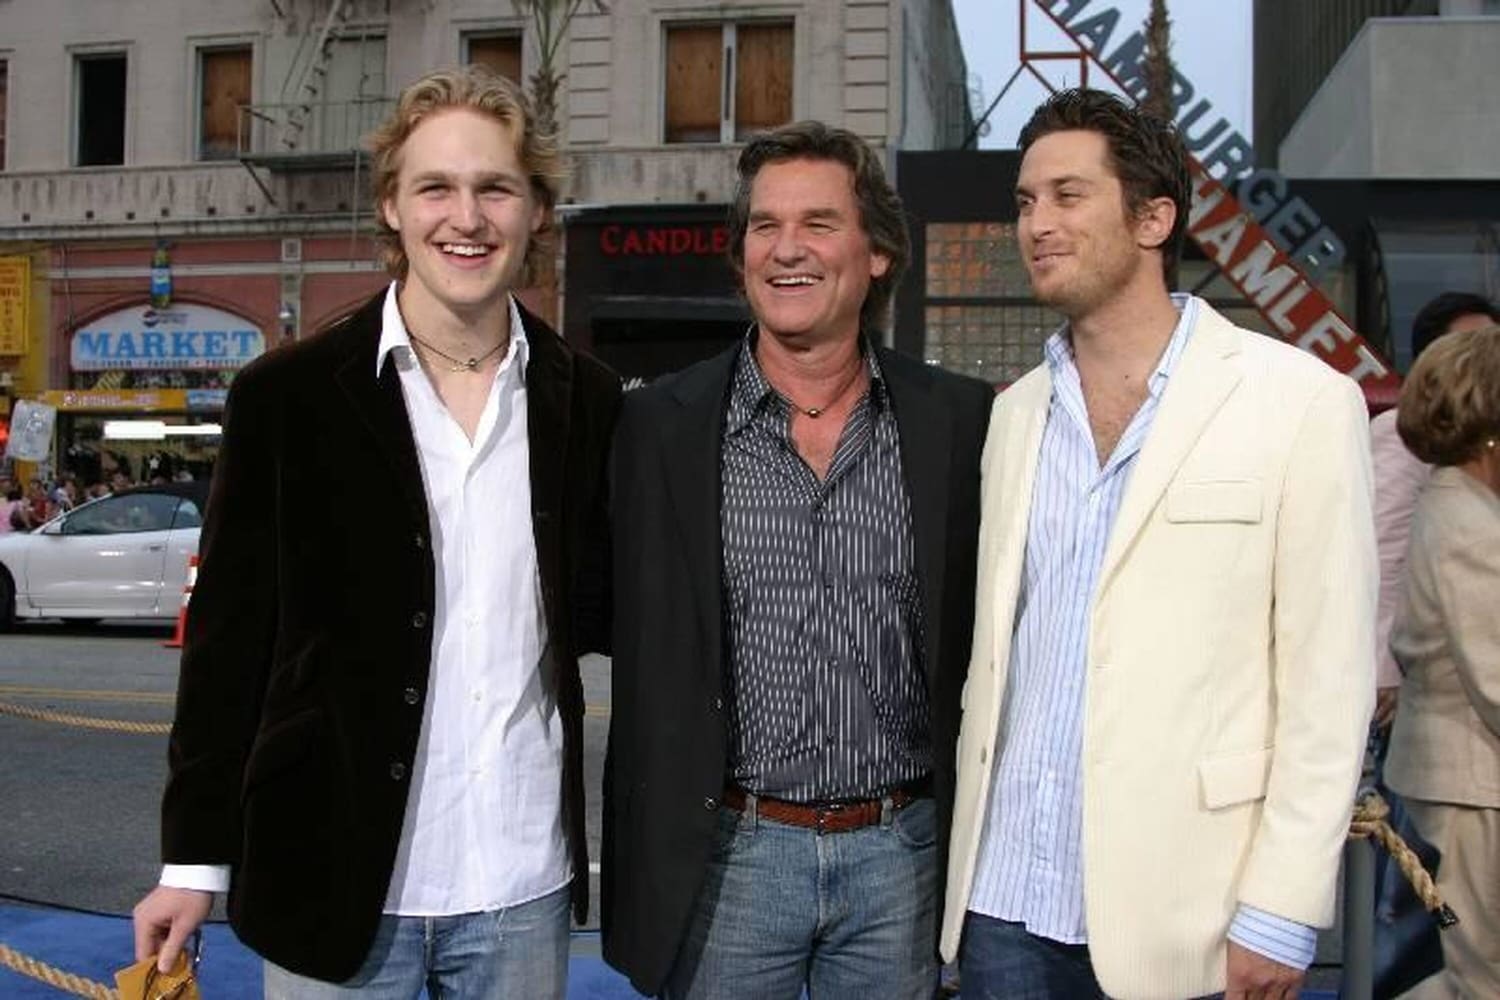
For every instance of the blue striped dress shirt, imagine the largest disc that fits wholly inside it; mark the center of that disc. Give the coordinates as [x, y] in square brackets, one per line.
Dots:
[1031, 861]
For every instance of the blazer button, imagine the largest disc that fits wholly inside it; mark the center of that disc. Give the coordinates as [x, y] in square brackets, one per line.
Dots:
[419, 620]
[718, 704]
[710, 803]
[398, 771]
[411, 696]
[419, 540]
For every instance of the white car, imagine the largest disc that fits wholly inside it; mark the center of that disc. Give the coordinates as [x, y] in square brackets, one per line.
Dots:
[120, 556]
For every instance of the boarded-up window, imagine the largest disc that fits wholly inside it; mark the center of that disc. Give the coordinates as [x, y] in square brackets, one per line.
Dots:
[763, 80]
[500, 54]
[224, 81]
[4, 102]
[101, 109]
[725, 82]
[694, 82]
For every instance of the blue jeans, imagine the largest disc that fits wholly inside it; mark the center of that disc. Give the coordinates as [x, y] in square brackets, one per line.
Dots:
[842, 914]
[1001, 960]
[521, 951]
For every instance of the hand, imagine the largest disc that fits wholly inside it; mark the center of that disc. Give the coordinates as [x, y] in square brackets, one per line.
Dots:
[1385, 705]
[165, 919]
[1253, 976]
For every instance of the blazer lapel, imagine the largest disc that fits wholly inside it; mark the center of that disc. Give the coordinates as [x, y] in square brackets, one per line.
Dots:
[691, 447]
[379, 404]
[1204, 377]
[1009, 513]
[924, 424]
[549, 395]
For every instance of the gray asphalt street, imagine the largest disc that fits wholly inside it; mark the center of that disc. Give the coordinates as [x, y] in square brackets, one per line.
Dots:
[78, 806]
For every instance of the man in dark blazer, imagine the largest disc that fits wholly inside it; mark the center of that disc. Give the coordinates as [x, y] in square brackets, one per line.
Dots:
[795, 527]
[377, 748]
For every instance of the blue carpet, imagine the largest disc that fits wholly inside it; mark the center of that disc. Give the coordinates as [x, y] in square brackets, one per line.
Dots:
[93, 947]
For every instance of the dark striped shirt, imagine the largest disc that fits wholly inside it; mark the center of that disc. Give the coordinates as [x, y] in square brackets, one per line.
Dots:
[828, 698]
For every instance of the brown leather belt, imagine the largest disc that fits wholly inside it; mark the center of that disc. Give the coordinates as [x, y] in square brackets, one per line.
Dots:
[828, 817]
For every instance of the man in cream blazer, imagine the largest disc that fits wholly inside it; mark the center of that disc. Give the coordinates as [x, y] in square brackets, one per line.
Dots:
[1152, 804]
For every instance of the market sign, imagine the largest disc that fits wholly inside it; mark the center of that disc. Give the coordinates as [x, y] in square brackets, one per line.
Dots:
[15, 302]
[183, 336]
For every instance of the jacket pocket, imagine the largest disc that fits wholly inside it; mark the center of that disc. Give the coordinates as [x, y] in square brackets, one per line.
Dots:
[1230, 779]
[282, 744]
[1237, 501]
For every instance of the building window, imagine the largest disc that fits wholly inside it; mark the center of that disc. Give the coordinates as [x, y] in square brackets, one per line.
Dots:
[224, 89]
[980, 317]
[101, 109]
[499, 53]
[726, 82]
[4, 103]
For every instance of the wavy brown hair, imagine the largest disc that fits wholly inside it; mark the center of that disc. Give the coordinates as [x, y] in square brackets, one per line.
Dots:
[1146, 152]
[880, 212]
[1450, 404]
[477, 89]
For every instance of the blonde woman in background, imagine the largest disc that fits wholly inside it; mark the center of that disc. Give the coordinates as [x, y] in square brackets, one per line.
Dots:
[1445, 749]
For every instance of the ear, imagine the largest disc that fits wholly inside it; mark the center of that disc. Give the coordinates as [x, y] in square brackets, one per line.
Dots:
[388, 213]
[879, 264]
[1154, 222]
[539, 213]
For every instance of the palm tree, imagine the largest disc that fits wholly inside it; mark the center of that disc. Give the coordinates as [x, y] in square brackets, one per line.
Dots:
[551, 19]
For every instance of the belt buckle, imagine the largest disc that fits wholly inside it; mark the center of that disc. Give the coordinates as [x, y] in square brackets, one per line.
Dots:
[823, 812]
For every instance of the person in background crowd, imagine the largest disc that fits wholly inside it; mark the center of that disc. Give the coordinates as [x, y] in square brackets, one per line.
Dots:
[1167, 701]
[1406, 942]
[378, 742]
[1445, 745]
[1400, 476]
[13, 516]
[796, 524]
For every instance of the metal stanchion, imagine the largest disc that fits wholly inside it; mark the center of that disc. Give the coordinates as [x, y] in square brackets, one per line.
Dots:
[1359, 920]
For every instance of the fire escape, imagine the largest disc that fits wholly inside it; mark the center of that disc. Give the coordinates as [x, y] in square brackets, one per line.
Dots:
[332, 94]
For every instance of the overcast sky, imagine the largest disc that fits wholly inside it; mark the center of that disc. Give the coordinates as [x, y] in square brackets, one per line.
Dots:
[1210, 45]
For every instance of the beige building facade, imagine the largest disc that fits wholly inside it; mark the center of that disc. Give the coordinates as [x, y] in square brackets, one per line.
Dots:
[192, 160]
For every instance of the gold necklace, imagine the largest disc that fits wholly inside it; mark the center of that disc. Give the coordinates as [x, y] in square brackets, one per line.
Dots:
[817, 411]
[458, 364]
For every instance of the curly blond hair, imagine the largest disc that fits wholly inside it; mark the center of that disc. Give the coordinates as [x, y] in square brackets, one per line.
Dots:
[478, 89]
[1450, 404]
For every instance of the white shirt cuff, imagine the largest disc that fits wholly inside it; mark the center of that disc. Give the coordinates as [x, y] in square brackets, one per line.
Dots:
[1277, 938]
[206, 878]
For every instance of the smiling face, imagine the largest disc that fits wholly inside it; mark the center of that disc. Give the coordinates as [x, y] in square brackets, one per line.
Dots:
[465, 212]
[1081, 245]
[808, 262]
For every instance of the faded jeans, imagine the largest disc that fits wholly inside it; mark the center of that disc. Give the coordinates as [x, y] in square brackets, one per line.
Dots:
[783, 908]
[520, 951]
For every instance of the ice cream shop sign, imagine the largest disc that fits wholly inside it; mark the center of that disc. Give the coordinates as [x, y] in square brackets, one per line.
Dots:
[183, 336]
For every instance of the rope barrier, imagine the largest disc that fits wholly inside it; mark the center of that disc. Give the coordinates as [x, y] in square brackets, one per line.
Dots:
[65, 981]
[85, 721]
[1370, 823]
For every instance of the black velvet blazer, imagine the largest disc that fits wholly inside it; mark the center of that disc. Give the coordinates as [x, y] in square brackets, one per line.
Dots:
[305, 668]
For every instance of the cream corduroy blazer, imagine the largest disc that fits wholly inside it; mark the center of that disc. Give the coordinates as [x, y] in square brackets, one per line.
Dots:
[1228, 688]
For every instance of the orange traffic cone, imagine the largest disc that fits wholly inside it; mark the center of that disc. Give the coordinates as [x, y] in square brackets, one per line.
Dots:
[187, 595]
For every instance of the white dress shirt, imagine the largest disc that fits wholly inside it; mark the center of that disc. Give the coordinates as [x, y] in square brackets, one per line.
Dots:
[483, 824]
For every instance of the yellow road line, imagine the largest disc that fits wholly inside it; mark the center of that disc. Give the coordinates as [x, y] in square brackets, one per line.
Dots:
[81, 694]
